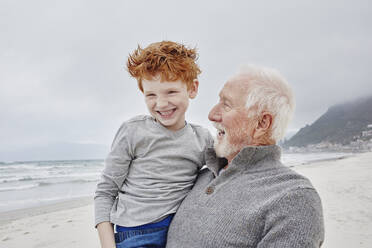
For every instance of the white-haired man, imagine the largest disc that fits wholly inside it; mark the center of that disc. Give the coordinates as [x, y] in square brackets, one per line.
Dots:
[249, 199]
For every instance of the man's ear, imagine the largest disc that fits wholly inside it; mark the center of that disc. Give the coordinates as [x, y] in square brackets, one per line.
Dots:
[264, 124]
[193, 90]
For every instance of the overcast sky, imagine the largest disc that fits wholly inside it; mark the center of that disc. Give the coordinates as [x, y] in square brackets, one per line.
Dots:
[62, 63]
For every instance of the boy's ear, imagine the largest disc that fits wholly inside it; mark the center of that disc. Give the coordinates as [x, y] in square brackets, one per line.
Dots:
[193, 91]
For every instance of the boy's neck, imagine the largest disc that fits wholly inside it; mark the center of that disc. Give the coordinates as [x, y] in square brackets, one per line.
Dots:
[173, 128]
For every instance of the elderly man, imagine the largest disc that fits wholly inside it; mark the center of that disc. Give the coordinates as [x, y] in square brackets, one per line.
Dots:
[249, 199]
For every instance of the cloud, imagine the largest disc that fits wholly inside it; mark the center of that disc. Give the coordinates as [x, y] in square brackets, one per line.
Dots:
[63, 62]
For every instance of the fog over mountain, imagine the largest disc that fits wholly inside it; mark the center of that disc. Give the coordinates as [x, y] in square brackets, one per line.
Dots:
[63, 78]
[339, 125]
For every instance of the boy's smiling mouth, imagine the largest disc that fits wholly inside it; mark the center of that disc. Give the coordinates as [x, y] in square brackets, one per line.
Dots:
[166, 114]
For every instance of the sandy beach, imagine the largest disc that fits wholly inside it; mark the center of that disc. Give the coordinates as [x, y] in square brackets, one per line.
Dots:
[67, 224]
[345, 187]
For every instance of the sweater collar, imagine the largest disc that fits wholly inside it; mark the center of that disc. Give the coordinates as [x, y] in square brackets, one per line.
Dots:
[247, 159]
[213, 162]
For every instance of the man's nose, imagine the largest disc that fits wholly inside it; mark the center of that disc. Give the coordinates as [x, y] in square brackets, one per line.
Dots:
[215, 114]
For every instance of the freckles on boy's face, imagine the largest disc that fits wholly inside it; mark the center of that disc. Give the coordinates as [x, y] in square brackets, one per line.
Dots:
[167, 102]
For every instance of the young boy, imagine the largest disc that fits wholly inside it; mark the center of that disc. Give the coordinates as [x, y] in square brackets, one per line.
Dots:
[154, 160]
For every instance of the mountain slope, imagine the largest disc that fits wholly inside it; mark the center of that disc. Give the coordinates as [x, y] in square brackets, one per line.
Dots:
[338, 125]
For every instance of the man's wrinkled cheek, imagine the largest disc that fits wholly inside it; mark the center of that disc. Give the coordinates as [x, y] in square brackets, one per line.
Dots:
[239, 129]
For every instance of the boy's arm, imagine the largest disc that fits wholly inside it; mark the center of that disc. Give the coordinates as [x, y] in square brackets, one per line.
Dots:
[106, 234]
[112, 178]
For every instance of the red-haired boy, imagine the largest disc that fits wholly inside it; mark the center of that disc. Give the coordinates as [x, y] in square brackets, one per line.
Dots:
[154, 160]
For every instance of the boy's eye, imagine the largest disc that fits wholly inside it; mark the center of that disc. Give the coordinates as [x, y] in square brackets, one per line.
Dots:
[172, 92]
[150, 95]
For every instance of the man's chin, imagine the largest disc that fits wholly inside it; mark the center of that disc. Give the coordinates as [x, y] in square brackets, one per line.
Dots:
[224, 149]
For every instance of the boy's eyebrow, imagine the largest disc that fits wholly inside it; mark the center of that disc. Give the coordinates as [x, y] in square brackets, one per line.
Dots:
[177, 89]
[168, 89]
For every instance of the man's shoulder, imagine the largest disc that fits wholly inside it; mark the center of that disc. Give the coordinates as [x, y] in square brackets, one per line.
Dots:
[290, 184]
[279, 181]
[285, 186]
[288, 180]
[296, 180]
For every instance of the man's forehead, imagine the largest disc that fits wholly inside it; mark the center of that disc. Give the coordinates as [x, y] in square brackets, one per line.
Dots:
[235, 87]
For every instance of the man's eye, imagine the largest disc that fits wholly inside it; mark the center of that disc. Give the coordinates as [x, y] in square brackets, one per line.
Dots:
[150, 95]
[226, 106]
[172, 92]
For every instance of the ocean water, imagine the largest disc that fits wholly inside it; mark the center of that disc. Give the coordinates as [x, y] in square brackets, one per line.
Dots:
[30, 184]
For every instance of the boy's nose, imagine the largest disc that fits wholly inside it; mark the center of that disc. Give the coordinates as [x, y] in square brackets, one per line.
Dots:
[215, 114]
[161, 102]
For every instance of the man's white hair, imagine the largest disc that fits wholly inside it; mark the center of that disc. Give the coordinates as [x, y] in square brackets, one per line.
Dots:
[269, 91]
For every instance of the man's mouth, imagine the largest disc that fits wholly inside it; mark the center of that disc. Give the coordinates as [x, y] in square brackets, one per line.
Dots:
[220, 133]
[166, 114]
[220, 129]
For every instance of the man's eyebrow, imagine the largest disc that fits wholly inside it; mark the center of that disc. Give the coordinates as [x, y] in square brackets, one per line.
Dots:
[225, 98]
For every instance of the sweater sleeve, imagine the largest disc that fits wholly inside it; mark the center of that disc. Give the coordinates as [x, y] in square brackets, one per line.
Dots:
[113, 175]
[296, 220]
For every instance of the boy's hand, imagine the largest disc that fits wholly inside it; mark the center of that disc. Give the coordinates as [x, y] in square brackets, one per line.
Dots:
[106, 235]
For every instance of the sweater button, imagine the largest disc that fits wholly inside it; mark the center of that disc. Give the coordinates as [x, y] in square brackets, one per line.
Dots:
[209, 190]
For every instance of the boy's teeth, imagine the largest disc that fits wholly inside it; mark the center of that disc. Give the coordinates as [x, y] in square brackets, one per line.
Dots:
[166, 112]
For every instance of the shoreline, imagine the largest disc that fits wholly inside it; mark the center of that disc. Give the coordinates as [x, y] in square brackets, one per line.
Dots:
[315, 161]
[13, 215]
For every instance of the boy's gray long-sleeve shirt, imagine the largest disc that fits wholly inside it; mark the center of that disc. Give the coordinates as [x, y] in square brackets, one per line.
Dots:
[149, 171]
[255, 202]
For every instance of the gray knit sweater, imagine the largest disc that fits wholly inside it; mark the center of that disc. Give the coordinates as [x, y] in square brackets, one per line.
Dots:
[256, 202]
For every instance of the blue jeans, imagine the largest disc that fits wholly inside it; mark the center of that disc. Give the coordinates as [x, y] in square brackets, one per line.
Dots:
[142, 238]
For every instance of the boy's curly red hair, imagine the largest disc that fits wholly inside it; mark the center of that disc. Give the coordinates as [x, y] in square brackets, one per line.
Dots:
[166, 59]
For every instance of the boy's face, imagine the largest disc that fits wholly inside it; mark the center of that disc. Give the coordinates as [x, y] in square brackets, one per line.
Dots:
[167, 102]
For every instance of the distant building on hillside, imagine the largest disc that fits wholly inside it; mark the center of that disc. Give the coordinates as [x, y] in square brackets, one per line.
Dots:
[359, 143]
[368, 132]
